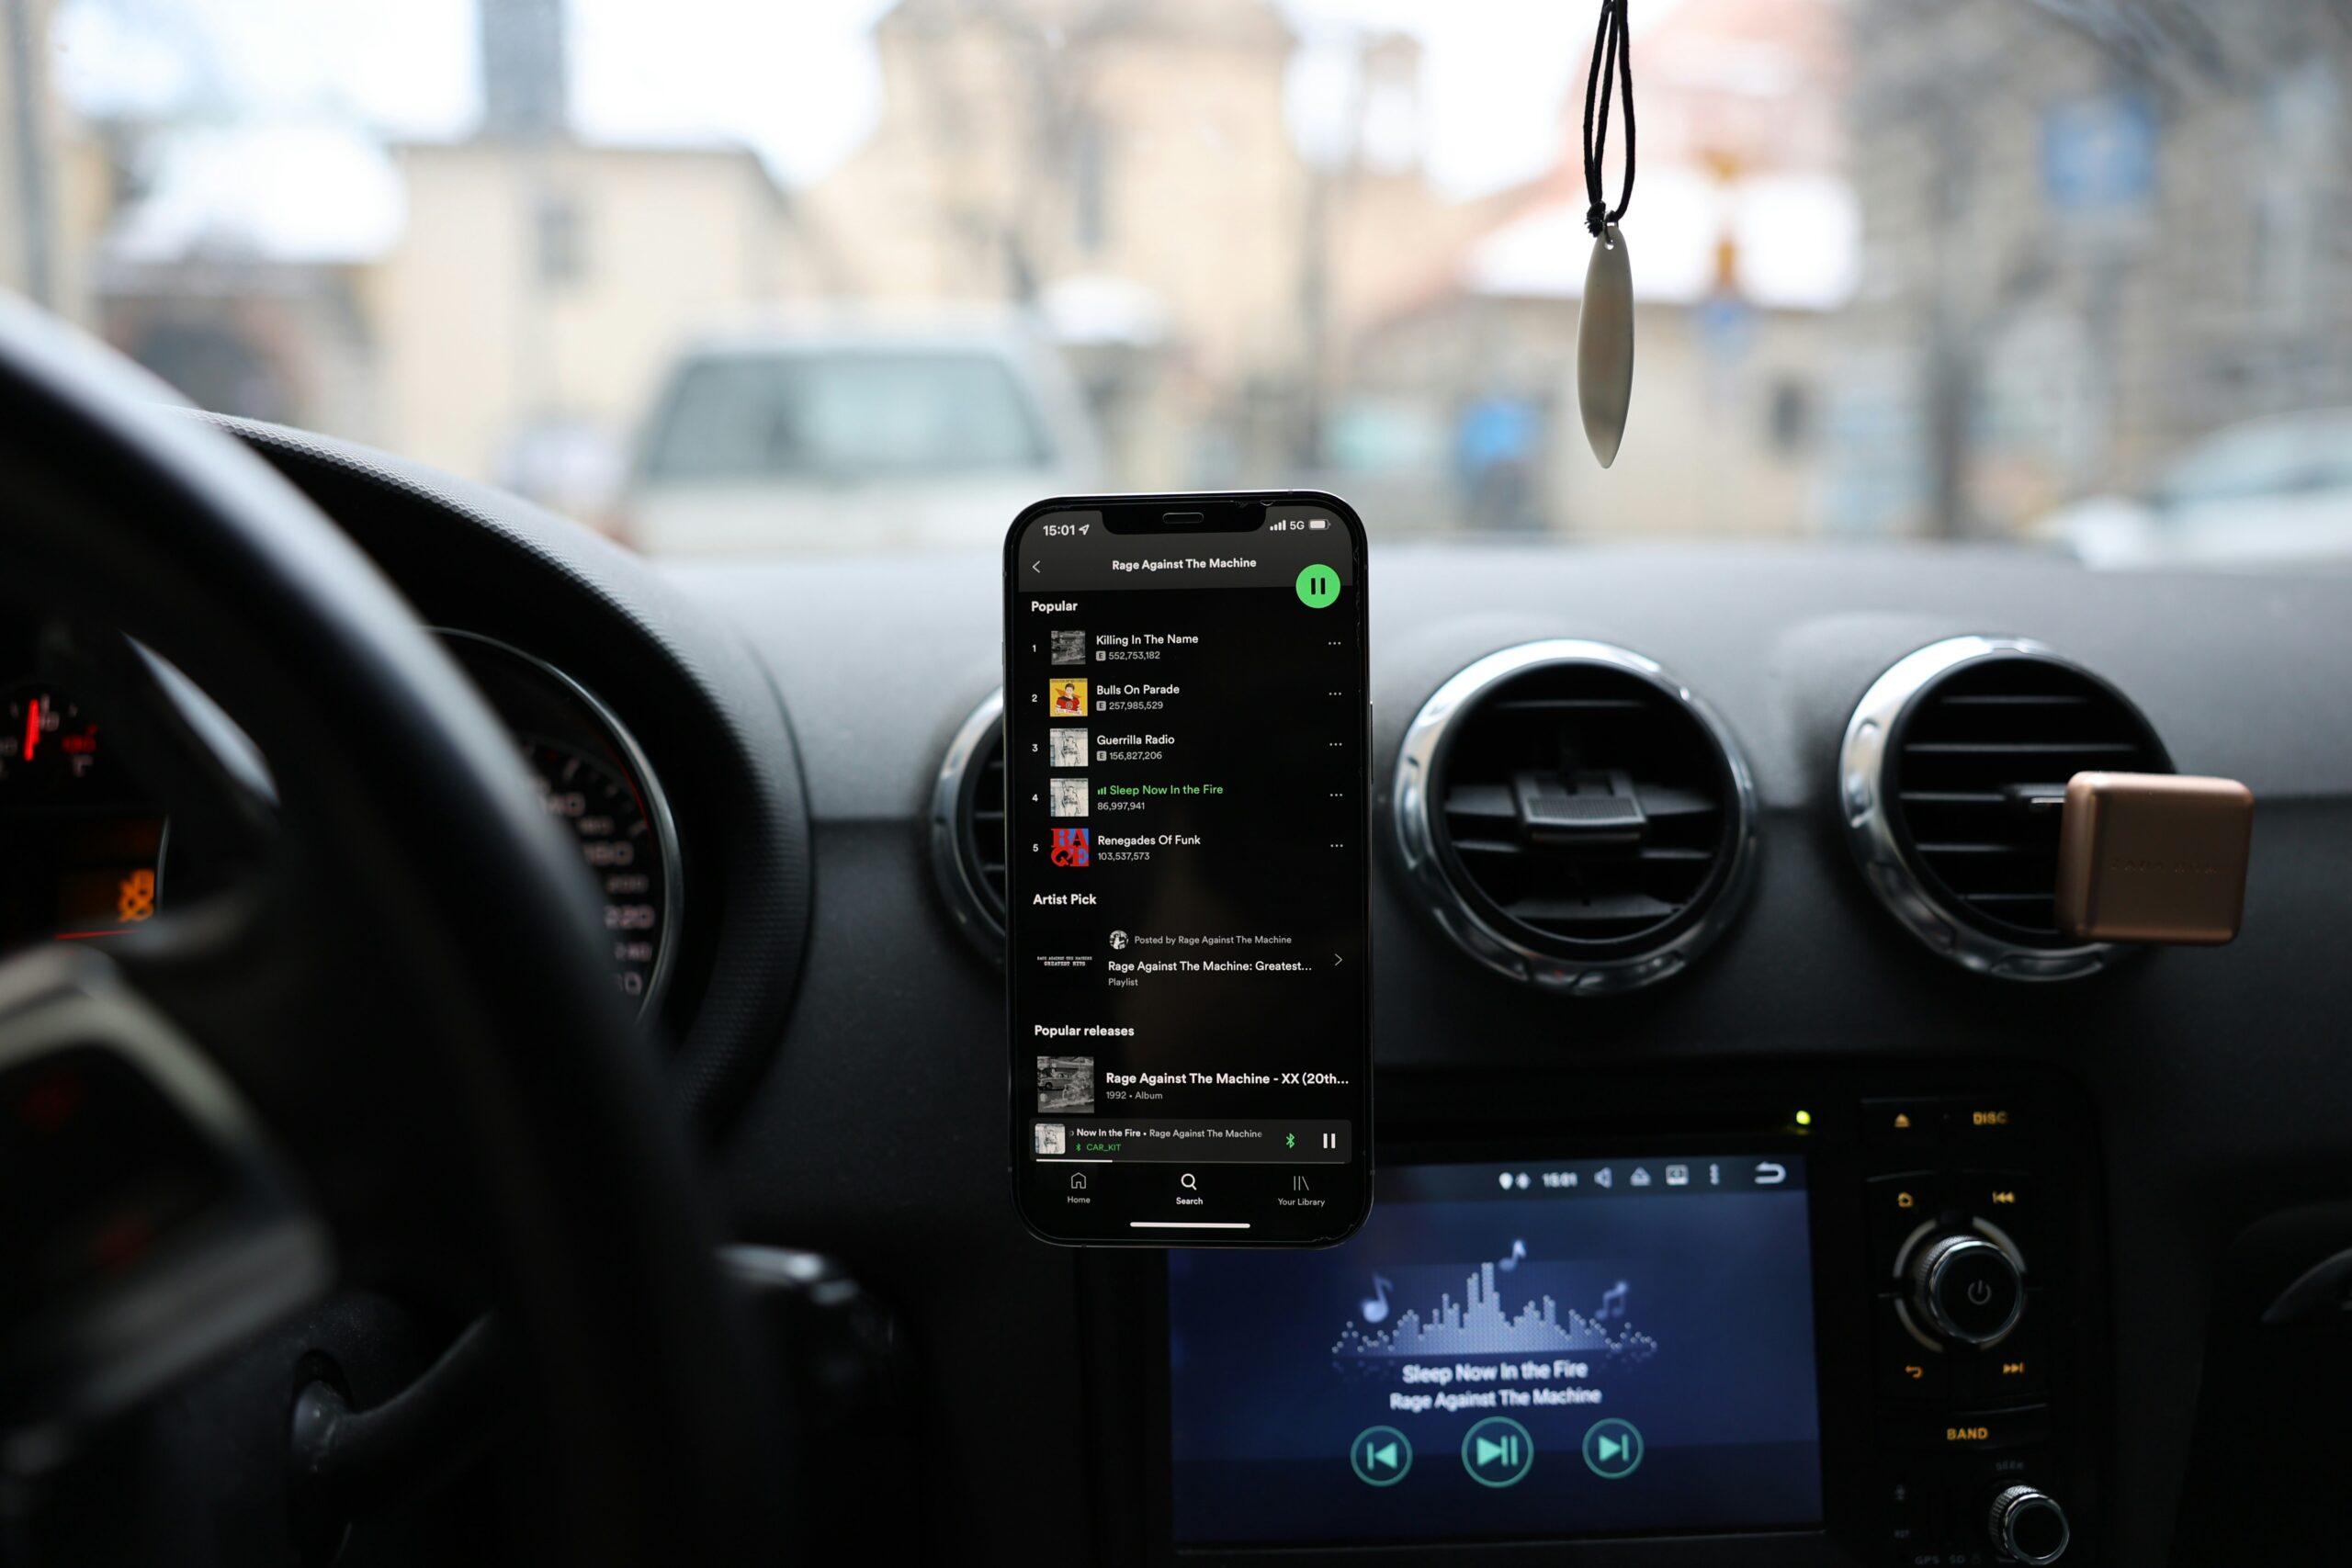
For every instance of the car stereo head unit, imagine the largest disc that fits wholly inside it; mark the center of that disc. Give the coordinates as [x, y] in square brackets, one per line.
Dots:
[1510, 1350]
[1823, 1315]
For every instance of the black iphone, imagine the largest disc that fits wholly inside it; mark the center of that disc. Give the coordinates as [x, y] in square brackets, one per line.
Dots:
[1188, 867]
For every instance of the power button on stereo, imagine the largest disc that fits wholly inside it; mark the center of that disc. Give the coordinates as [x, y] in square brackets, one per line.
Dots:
[1966, 1289]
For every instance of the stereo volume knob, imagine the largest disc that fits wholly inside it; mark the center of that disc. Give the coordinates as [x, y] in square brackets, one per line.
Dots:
[1966, 1289]
[2029, 1525]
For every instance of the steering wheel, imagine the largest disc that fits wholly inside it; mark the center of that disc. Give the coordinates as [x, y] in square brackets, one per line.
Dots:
[389, 1055]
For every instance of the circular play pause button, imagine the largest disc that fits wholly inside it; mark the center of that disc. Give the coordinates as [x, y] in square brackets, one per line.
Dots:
[1319, 587]
[1381, 1456]
[1498, 1451]
[1612, 1448]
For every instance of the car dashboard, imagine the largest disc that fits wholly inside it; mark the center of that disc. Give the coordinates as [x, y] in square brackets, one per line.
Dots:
[1928, 1223]
[2137, 1101]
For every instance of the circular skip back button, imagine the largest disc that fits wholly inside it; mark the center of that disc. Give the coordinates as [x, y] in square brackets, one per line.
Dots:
[1381, 1456]
[1612, 1448]
[1498, 1451]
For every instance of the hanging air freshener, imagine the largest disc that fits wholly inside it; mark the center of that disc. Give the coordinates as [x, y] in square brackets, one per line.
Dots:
[1605, 324]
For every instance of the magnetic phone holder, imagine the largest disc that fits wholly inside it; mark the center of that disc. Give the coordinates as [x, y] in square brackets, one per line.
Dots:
[2157, 858]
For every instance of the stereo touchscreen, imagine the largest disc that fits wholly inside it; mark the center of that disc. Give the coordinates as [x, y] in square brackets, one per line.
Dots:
[1508, 1352]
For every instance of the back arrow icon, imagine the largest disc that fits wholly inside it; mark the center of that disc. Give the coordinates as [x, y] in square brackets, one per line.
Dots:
[1036, 566]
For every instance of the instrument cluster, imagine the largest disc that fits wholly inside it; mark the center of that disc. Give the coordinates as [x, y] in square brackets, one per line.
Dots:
[82, 845]
[89, 850]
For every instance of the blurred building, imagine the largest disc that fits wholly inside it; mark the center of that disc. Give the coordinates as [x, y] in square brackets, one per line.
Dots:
[540, 283]
[232, 266]
[538, 289]
[2091, 233]
[1129, 172]
[502, 306]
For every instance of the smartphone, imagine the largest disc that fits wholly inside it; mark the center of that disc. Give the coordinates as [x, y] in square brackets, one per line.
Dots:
[1188, 869]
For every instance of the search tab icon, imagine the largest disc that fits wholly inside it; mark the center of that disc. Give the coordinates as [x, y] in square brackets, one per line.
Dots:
[1187, 1182]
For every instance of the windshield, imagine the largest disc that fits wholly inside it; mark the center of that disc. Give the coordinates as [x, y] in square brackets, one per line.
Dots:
[2068, 277]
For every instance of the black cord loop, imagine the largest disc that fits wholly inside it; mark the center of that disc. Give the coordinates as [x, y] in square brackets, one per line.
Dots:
[1611, 53]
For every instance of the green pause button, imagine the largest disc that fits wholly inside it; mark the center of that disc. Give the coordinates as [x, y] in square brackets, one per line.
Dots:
[1317, 586]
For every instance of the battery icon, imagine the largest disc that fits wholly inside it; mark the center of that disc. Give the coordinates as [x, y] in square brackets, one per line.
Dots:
[1319, 523]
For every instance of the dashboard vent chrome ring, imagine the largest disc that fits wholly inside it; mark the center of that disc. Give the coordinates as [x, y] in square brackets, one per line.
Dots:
[1951, 780]
[967, 826]
[1574, 817]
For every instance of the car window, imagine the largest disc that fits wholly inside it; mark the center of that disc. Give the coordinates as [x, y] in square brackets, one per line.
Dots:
[845, 416]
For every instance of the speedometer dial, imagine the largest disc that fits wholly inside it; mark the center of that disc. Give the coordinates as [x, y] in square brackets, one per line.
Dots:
[592, 778]
[620, 844]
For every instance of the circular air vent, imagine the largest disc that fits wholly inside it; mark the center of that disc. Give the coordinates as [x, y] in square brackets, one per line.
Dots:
[1953, 776]
[967, 826]
[1573, 816]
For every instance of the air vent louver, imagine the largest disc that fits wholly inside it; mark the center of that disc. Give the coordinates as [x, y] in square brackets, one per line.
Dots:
[1976, 782]
[983, 826]
[968, 825]
[1955, 772]
[1583, 818]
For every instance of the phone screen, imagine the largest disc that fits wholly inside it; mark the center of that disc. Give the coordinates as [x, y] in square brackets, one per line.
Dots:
[1186, 741]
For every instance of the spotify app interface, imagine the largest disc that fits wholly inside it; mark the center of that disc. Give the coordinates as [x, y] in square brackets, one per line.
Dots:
[1186, 735]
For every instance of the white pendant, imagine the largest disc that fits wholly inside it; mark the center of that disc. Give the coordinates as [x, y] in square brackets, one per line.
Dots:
[1605, 344]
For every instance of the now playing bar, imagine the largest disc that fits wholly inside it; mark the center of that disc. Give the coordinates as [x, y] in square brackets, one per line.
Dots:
[1088, 1140]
